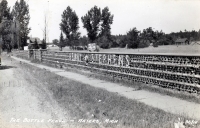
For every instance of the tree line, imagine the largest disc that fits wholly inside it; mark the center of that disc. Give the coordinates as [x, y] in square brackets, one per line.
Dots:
[98, 22]
[14, 23]
[14, 27]
[141, 39]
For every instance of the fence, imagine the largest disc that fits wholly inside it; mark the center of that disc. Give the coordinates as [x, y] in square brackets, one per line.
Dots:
[180, 72]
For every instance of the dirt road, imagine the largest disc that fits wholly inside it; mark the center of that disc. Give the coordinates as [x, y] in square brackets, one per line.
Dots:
[22, 104]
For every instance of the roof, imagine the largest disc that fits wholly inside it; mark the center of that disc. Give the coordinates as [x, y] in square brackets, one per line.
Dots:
[32, 39]
[181, 40]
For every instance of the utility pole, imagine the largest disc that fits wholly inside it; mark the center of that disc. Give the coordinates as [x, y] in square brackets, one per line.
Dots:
[46, 24]
[45, 28]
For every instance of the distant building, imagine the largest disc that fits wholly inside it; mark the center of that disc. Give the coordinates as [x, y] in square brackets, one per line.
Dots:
[50, 44]
[182, 41]
[31, 42]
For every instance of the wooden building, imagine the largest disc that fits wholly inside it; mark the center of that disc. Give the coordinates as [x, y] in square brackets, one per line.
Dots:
[182, 41]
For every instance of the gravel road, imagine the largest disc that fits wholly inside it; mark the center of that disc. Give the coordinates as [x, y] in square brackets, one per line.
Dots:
[24, 105]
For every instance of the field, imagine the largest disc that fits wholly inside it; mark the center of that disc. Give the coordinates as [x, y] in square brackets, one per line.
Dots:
[193, 48]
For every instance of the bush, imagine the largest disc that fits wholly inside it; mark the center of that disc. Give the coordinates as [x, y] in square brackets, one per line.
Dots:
[143, 44]
[155, 44]
[122, 45]
[114, 44]
[104, 45]
[163, 42]
[43, 45]
[104, 42]
[132, 44]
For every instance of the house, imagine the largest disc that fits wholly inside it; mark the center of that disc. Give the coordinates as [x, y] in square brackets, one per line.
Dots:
[31, 42]
[49, 44]
[33, 39]
[182, 41]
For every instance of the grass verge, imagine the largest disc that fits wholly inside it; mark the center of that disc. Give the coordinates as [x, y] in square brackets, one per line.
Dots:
[137, 85]
[85, 102]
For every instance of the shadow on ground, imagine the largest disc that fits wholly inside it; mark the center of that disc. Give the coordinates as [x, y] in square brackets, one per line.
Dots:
[3, 67]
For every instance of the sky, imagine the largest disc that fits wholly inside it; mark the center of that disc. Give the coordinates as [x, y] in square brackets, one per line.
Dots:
[166, 15]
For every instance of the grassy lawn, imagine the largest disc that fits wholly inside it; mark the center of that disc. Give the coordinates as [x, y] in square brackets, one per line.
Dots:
[82, 101]
[193, 48]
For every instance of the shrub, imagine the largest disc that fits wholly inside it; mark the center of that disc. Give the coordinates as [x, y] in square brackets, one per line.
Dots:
[104, 42]
[122, 45]
[155, 44]
[163, 42]
[114, 44]
[43, 45]
[133, 44]
[105, 45]
[143, 44]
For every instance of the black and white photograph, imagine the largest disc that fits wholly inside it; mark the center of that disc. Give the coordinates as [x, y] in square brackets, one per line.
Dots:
[99, 63]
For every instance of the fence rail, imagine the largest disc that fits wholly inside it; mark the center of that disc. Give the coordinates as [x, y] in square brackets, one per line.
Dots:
[180, 72]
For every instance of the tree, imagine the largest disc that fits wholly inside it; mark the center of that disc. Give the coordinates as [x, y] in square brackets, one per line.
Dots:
[161, 38]
[5, 32]
[4, 10]
[36, 44]
[5, 25]
[45, 30]
[21, 13]
[133, 38]
[83, 41]
[91, 22]
[97, 23]
[61, 43]
[15, 28]
[114, 41]
[44, 44]
[104, 42]
[55, 42]
[148, 35]
[69, 26]
[107, 20]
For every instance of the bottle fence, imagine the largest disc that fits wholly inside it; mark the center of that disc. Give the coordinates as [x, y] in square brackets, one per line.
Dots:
[181, 72]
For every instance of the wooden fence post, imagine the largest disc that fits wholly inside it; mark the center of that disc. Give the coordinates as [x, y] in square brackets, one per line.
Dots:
[30, 53]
